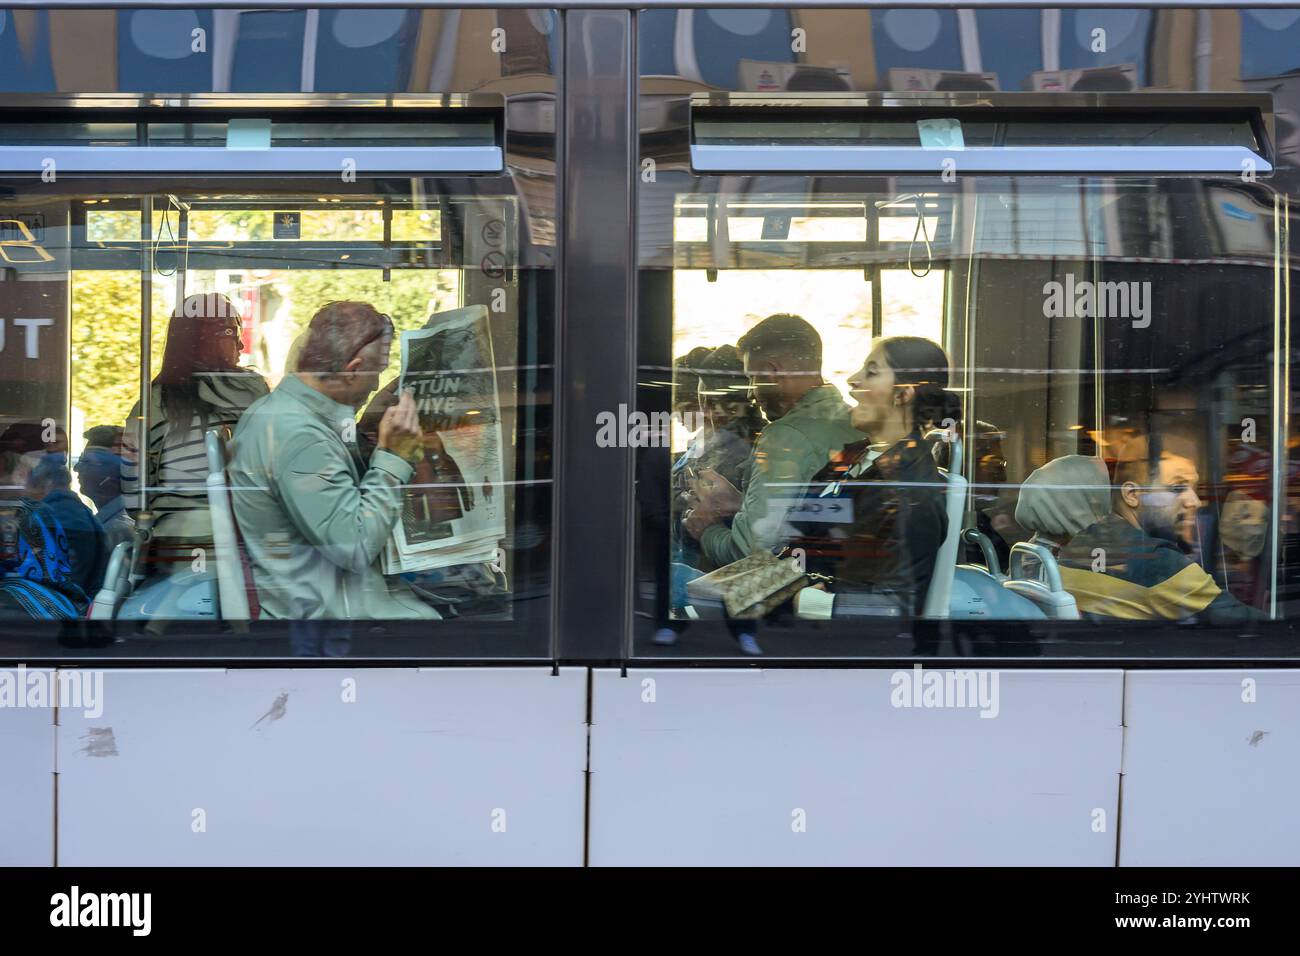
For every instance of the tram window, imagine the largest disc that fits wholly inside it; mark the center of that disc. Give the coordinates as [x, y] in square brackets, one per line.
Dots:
[346, 419]
[1029, 399]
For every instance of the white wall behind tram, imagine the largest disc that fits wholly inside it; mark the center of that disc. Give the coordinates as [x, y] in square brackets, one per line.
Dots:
[712, 771]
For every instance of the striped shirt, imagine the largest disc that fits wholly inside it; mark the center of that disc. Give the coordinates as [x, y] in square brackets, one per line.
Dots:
[178, 466]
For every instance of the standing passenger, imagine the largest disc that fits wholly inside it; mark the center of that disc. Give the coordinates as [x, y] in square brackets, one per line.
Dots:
[730, 426]
[724, 445]
[808, 421]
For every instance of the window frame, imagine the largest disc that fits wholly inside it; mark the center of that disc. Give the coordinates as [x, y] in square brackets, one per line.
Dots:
[1144, 645]
[153, 171]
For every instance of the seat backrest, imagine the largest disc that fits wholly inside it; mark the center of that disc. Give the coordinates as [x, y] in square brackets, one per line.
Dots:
[945, 563]
[231, 585]
[1035, 574]
[116, 586]
[939, 595]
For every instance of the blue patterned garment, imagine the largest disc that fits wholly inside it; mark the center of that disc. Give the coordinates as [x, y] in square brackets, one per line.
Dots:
[35, 563]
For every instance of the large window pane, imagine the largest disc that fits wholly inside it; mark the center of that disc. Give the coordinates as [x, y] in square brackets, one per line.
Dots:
[1009, 400]
[283, 328]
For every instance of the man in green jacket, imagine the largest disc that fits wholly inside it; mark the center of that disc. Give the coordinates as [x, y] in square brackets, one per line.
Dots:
[315, 518]
[808, 420]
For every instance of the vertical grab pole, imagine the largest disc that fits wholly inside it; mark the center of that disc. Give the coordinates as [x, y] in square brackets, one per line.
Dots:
[183, 253]
[146, 321]
[1281, 386]
[388, 241]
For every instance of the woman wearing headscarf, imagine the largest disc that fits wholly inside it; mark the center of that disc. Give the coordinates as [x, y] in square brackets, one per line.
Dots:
[1063, 497]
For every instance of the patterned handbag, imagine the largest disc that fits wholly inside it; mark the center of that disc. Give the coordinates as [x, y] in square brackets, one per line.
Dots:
[752, 587]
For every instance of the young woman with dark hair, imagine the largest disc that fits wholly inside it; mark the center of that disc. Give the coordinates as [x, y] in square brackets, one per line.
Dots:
[889, 482]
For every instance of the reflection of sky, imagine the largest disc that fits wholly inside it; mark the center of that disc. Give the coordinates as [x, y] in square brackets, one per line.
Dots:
[372, 50]
[921, 39]
[268, 55]
[356, 50]
[1011, 45]
[724, 37]
[1270, 42]
[1127, 33]
[366, 50]
[17, 72]
[155, 51]
[655, 42]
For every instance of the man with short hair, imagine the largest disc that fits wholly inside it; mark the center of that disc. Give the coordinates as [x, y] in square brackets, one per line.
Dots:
[36, 580]
[1132, 564]
[99, 475]
[50, 482]
[314, 516]
[808, 421]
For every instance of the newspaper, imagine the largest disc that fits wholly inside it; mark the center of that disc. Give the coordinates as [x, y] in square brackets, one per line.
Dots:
[453, 509]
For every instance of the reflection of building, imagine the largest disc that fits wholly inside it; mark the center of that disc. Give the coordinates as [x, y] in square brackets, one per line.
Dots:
[1093, 49]
[285, 51]
[203, 50]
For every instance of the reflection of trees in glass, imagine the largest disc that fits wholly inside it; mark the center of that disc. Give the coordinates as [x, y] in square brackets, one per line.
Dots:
[409, 296]
[105, 334]
[105, 340]
[106, 320]
[319, 222]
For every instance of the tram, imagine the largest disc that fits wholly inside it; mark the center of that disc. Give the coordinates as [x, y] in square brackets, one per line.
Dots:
[570, 219]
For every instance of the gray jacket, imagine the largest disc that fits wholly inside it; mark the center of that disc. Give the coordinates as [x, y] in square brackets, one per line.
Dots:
[313, 524]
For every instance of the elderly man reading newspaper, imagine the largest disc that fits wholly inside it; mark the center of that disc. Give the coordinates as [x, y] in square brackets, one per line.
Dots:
[316, 518]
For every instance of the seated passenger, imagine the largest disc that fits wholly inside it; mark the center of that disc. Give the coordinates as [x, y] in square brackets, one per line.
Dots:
[881, 512]
[49, 482]
[1131, 565]
[1062, 498]
[313, 516]
[35, 568]
[201, 387]
[99, 473]
[808, 421]
[1243, 534]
